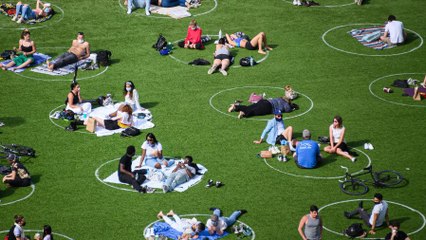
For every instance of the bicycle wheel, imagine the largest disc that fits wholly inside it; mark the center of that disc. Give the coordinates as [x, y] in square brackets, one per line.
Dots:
[353, 187]
[388, 178]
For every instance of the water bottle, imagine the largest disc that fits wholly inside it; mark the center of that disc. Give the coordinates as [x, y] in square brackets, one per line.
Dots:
[251, 61]
[220, 33]
[157, 237]
[169, 46]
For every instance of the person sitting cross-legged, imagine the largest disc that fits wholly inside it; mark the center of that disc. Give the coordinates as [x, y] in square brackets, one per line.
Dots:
[19, 177]
[307, 153]
[125, 173]
[190, 228]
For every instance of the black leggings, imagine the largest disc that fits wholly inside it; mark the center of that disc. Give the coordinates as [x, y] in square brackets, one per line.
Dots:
[65, 59]
[263, 107]
[136, 183]
[249, 46]
[19, 182]
[197, 46]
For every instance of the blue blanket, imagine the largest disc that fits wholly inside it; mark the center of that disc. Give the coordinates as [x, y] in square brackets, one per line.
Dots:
[39, 58]
[164, 229]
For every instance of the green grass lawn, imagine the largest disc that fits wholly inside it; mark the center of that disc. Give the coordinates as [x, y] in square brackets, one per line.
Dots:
[189, 110]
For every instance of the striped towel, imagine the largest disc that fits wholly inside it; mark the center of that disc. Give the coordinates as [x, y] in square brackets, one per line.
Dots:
[369, 37]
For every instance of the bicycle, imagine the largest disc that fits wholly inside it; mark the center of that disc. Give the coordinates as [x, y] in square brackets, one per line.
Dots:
[19, 150]
[355, 186]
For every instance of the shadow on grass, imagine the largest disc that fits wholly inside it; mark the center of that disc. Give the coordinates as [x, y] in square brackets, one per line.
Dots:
[358, 143]
[13, 121]
[35, 178]
[327, 160]
[149, 104]
[400, 220]
[115, 60]
[7, 192]
[410, 38]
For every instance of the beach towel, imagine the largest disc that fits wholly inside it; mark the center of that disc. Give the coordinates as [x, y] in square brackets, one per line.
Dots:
[64, 70]
[39, 58]
[9, 9]
[164, 229]
[410, 91]
[113, 178]
[370, 37]
[174, 12]
[140, 124]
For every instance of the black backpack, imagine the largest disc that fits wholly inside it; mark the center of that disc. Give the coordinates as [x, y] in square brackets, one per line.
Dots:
[103, 58]
[400, 83]
[354, 230]
[130, 132]
[7, 54]
[247, 62]
[161, 43]
[11, 236]
[199, 61]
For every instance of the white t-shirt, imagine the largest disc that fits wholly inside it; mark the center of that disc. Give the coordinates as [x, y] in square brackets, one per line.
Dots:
[395, 30]
[47, 237]
[134, 101]
[337, 133]
[380, 209]
[220, 224]
[151, 150]
[18, 231]
[125, 118]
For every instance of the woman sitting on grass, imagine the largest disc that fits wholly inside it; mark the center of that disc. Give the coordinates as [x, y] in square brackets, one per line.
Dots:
[74, 101]
[263, 107]
[241, 40]
[19, 177]
[131, 96]
[337, 139]
[122, 118]
[193, 37]
[26, 13]
[152, 153]
[222, 58]
[26, 49]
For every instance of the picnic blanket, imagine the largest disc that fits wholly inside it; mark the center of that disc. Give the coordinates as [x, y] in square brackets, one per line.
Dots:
[174, 12]
[164, 229]
[410, 91]
[101, 112]
[370, 37]
[9, 9]
[64, 70]
[39, 58]
[153, 173]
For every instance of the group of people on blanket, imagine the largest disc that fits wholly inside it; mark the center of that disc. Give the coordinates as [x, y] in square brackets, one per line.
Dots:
[134, 4]
[152, 157]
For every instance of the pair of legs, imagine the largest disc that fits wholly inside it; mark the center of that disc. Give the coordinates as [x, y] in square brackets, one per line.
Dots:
[259, 41]
[175, 179]
[190, 45]
[81, 108]
[25, 11]
[17, 182]
[262, 107]
[133, 4]
[362, 214]
[63, 60]
[223, 63]
[177, 224]
[228, 220]
[135, 182]
[21, 61]
[156, 163]
[341, 150]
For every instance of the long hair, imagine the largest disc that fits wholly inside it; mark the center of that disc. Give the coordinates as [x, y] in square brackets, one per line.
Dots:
[132, 86]
[47, 230]
[25, 32]
[73, 85]
[152, 136]
[339, 120]
[126, 108]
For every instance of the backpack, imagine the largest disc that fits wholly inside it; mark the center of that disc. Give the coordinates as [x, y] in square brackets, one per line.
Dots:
[130, 132]
[247, 62]
[7, 54]
[10, 235]
[103, 58]
[400, 83]
[199, 61]
[161, 43]
[354, 230]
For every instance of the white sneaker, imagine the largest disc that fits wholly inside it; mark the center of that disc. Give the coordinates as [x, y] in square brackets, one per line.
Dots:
[299, 3]
[15, 18]
[294, 2]
[353, 159]
[370, 146]
[129, 11]
[165, 189]
[150, 190]
[224, 73]
[211, 70]
[147, 12]
[20, 20]
[366, 146]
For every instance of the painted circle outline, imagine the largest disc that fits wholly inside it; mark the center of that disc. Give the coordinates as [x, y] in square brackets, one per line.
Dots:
[54, 123]
[61, 80]
[166, 17]
[365, 199]
[21, 199]
[119, 188]
[203, 215]
[41, 230]
[363, 54]
[44, 26]
[233, 66]
[314, 177]
[257, 119]
[327, 6]
[392, 102]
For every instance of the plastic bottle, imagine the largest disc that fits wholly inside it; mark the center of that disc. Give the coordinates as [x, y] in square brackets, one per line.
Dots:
[251, 61]
[169, 46]
[220, 33]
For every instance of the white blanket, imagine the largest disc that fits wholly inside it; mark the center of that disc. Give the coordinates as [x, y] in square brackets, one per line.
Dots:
[174, 12]
[113, 178]
[102, 112]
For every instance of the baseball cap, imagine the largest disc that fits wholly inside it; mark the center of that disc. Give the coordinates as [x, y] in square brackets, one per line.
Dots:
[306, 133]
[12, 157]
[278, 112]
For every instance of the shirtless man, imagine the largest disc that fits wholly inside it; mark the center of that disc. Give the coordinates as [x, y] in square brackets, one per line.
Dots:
[80, 49]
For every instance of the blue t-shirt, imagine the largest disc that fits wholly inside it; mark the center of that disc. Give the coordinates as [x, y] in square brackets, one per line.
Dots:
[307, 152]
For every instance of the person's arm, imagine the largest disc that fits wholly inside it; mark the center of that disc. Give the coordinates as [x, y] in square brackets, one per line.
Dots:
[178, 166]
[70, 103]
[122, 170]
[34, 48]
[87, 50]
[330, 135]
[230, 41]
[300, 228]
[190, 175]
[373, 224]
[136, 99]
[142, 157]
[267, 129]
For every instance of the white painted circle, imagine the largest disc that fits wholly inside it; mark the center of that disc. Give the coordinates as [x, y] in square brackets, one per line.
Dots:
[21, 199]
[63, 77]
[388, 101]
[369, 55]
[154, 16]
[59, 108]
[235, 65]
[202, 215]
[41, 231]
[257, 119]
[43, 25]
[327, 6]
[356, 200]
[318, 177]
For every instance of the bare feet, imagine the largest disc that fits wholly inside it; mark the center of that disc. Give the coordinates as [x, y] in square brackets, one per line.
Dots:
[125, 2]
[170, 213]
[231, 108]
[160, 215]
[4, 68]
[261, 52]
[241, 115]
[268, 48]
